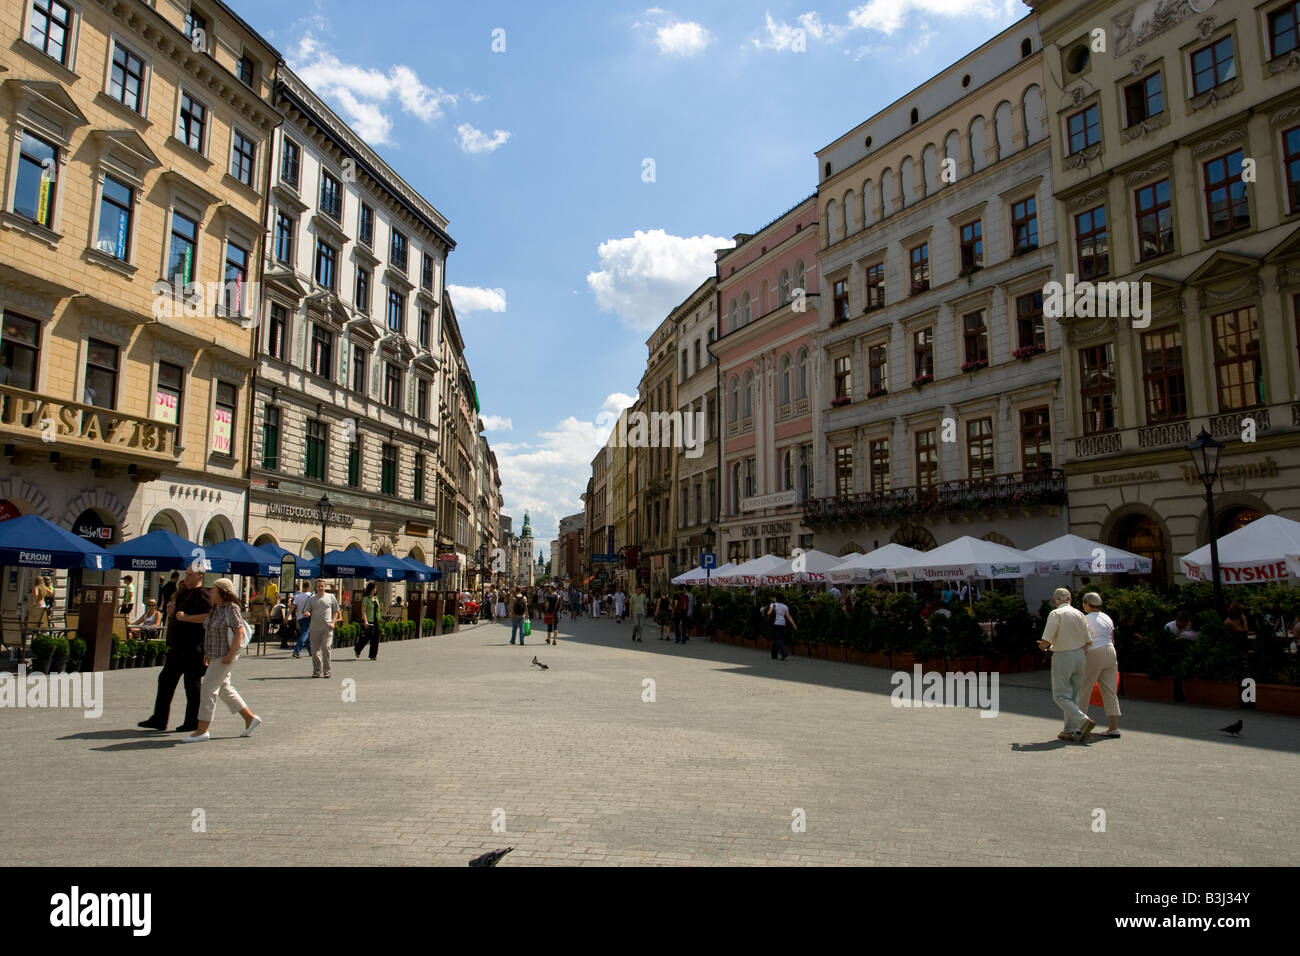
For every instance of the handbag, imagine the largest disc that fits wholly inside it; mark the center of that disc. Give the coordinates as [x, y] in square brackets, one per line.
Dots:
[231, 632]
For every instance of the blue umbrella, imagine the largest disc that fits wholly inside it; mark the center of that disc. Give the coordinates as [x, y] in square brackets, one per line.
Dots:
[355, 563]
[306, 568]
[246, 559]
[163, 551]
[401, 570]
[423, 571]
[31, 541]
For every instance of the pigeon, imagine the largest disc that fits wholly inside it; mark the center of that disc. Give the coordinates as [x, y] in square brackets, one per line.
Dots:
[538, 663]
[491, 858]
[1234, 729]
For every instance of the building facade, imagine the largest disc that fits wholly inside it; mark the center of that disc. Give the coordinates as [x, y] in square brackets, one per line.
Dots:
[697, 400]
[1176, 166]
[657, 461]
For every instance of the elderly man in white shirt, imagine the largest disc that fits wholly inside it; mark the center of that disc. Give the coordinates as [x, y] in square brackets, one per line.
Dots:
[1102, 667]
[1066, 636]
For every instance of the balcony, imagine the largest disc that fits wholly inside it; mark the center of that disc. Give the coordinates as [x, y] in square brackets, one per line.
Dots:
[58, 425]
[965, 495]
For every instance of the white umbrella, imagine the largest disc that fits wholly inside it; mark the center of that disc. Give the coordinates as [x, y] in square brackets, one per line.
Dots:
[699, 576]
[807, 568]
[969, 557]
[1257, 552]
[1070, 553]
[749, 572]
[865, 568]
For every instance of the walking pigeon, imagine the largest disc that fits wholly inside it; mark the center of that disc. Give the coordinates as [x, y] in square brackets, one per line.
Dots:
[538, 663]
[491, 858]
[1234, 729]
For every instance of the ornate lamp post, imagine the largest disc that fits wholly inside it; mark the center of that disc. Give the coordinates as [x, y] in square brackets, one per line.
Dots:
[326, 508]
[1205, 456]
[710, 537]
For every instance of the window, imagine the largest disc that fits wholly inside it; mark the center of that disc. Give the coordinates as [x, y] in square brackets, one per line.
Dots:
[745, 314]
[361, 294]
[923, 354]
[388, 470]
[419, 476]
[194, 22]
[354, 465]
[801, 380]
[980, 462]
[360, 362]
[126, 79]
[271, 438]
[747, 408]
[327, 260]
[1162, 375]
[396, 311]
[1083, 129]
[697, 355]
[1097, 381]
[193, 119]
[927, 458]
[732, 316]
[686, 365]
[1024, 226]
[787, 470]
[1213, 66]
[397, 250]
[733, 409]
[1238, 366]
[246, 70]
[422, 399]
[840, 306]
[1030, 330]
[878, 455]
[426, 272]
[331, 196]
[289, 156]
[36, 184]
[20, 350]
[114, 233]
[843, 377]
[1155, 220]
[314, 466]
[181, 251]
[1035, 439]
[878, 369]
[284, 231]
[392, 386]
[243, 151]
[366, 225]
[322, 352]
[783, 287]
[1091, 244]
[50, 29]
[1225, 195]
[919, 267]
[875, 286]
[1144, 99]
[972, 246]
[223, 419]
[785, 379]
[236, 278]
[275, 331]
[843, 471]
[101, 374]
[975, 338]
[1282, 30]
[1291, 167]
[426, 319]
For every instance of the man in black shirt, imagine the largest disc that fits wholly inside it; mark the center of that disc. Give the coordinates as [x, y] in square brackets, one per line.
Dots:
[168, 592]
[552, 617]
[185, 654]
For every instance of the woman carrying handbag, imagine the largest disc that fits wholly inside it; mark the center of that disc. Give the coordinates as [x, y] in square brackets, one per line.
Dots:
[225, 634]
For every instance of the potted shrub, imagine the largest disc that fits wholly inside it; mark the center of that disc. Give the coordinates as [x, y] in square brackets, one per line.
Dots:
[903, 629]
[42, 652]
[60, 661]
[76, 654]
[448, 623]
[162, 650]
[1210, 670]
[150, 652]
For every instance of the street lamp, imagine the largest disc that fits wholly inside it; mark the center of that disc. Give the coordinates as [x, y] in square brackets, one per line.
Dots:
[1205, 456]
[710, 536]
[326, 512]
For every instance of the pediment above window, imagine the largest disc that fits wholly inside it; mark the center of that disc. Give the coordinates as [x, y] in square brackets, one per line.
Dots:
[125, 153]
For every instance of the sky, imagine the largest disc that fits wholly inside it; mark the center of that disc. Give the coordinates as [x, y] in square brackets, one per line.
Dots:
[591, 157]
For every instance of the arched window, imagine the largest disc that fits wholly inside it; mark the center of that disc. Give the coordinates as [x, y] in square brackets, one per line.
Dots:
[787, 471]
[783, 286]
[762, 299]
[733, 411]
[733, 316]
[785, 379]
[685, 363]
[798, 276]
[801, 385]
[744, 309]
[747, 409]
[713, 337]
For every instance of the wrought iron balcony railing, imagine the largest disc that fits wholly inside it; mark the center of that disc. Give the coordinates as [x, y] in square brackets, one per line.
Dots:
[1020, 489]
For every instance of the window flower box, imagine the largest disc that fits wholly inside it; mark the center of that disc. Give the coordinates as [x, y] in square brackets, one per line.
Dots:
[975, 366]
[922, 380]
[840, 402]
[1029, 351]
[877, 392]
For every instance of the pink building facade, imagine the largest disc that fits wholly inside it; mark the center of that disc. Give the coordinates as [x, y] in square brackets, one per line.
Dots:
[766, 319]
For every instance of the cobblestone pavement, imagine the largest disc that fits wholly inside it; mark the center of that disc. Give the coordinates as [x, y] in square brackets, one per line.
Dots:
[445, 731]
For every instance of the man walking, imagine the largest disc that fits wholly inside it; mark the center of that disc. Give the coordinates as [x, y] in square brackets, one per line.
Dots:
[323, 613]
[1066, 636]
[301, 615]
[638, 614]
[552, 617]
[517, 611]
[369, 623]
[191, 604]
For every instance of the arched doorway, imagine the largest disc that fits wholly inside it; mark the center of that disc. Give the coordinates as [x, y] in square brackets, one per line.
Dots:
[98, 527]
[1235, 518]
[1142, 534]
[218, 530]
[851, 547]
[997, 538]
[169, 521]
[914, 536]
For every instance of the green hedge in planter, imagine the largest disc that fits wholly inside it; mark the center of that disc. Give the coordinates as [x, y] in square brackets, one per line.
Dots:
[829, 623]
[42, 647]
[904, 628]
[76, 648]
[428, 625]
[448, 623]
[1015, 631]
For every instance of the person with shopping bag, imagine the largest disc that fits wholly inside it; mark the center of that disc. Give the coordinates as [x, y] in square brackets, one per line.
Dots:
[1100, 664]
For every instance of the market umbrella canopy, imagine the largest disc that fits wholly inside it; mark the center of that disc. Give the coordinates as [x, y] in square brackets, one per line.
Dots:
[163, 551]
[700, 576]
[969, 557]
[1070, 553]
[31, 541]
[1257, 552]
[355, 563]
[874, 565]
[810, 567]
[306, 568]
[244, 558]
[749, 573]
[422, 571]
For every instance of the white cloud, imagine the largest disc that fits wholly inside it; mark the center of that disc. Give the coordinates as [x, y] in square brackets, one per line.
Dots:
[363, 94]
[683, 38]
[887, 16]
[644, 276]
[476, 141]
[783, 36]
[468, 298]
[496, 423]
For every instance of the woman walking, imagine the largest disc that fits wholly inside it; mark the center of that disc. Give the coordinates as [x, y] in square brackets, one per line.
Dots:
[224, 633]
[370, 625]
[39, 604]
[663, 615]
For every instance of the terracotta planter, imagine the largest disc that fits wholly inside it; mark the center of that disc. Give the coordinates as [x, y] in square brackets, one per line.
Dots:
[1145, 687]
[1278, 699]
[902, 660]
[878, 659]
[964, 664]
[939, 664]
[991, 664]
[764, 644]
[1211, 693]
[861, 658]
[1033, 660]
[819, 650]
[803, 650]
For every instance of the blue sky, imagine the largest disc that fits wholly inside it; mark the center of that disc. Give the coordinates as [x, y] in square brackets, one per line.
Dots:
[567, 258]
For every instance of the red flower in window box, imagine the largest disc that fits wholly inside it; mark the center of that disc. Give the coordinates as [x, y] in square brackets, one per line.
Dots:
[1029, 351]
[922, 380]
[975, 366]
[841, 401]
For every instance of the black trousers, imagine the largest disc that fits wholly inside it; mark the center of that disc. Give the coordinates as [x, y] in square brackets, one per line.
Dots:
[369, 632]
[182, 663]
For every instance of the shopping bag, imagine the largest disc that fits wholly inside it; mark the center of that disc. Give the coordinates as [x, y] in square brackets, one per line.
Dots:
[1095, 699]
[528, 628]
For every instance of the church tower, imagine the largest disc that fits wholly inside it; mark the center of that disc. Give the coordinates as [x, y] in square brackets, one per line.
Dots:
[526, 566]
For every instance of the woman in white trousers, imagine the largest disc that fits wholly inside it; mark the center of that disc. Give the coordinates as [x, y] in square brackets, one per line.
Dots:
[1101, 667]
[220, 651]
